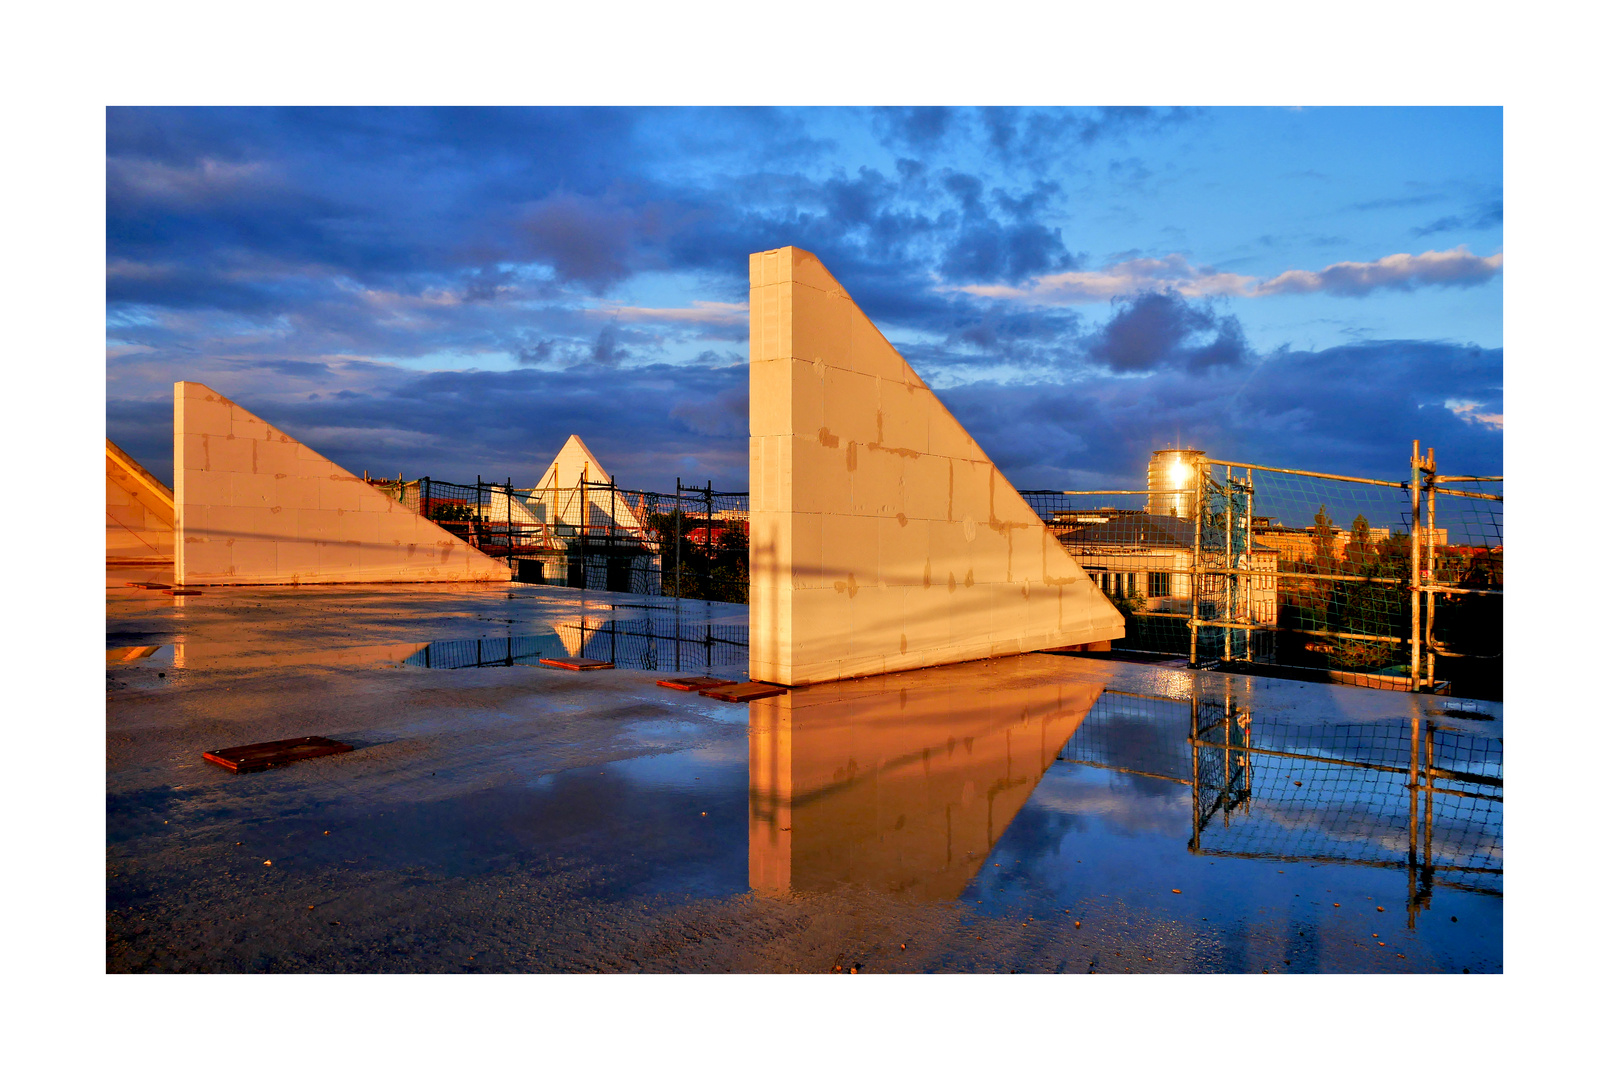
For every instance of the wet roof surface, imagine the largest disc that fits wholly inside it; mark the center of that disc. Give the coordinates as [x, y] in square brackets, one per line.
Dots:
[1033, 813]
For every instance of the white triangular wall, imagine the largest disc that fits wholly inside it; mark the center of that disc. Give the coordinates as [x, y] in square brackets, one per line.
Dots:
[139, 511]
[255, 507]
[882, 536]
[557, 501]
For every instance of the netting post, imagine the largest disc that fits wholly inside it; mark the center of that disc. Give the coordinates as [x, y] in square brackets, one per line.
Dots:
[508, 526]
[581, 490]
[1430, 571]
[1195, 563]
[1195, 772]
[1250, 592]
[709, 537]
[1413, 573]
[676, 531]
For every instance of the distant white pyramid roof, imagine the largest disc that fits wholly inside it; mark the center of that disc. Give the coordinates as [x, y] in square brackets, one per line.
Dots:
[557, 493]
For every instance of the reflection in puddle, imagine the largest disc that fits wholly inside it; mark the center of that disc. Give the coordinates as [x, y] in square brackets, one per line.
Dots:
[156, 655]
[902, 790]
[487, 652]
[654, 641]
[907, 784]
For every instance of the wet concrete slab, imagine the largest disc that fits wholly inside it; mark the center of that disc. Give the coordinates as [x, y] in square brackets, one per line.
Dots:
[1034, 813]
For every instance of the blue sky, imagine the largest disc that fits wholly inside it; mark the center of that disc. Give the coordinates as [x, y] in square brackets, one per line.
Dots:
[453, 292]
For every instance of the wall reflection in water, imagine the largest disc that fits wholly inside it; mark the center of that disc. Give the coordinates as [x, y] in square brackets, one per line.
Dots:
[901, 783]
[904, 783]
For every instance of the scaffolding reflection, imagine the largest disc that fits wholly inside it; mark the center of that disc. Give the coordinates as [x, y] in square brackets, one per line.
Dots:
[1407, 793]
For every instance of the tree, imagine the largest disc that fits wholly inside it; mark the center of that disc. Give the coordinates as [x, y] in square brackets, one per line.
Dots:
[1358, 547]
[1323, 540]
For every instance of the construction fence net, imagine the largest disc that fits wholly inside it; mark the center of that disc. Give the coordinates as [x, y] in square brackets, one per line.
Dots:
[1302, 570]
[692, 543]
[1235, 564]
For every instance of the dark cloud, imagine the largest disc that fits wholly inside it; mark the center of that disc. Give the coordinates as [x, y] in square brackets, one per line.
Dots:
[1162, 329]
[1361, 405]
[606, 349]
[1037, 136]
[588, 240]
[1486, 216]
[1423, 198]
[303, 260]
[661, 422]
[989, 251]
[916, 127]
[726, 415]
[487, 284]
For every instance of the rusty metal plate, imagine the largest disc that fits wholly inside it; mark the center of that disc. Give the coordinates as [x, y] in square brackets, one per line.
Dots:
[695, 682]
[577, 663]
[747, 691]
[266, 755]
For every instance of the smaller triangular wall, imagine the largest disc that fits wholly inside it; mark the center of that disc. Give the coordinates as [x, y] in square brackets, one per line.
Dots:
[139, 512]
[256, 507]
[557, 496]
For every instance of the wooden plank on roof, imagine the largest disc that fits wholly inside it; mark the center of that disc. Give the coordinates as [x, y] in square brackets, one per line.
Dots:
[256, 757]
[695, 682]
[577, 663]
[747, 691]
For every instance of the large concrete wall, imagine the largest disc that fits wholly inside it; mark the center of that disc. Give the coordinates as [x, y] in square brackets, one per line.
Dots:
[881, 536]
[256, 507]
[139, 512]
[904, 783]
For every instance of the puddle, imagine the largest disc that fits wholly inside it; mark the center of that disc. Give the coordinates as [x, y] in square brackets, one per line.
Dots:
[1036, 801]
[646, 643]
[142, 655]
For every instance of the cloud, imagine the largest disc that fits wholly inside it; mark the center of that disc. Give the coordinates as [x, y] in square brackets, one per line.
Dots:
[311, 260]
[1361, 405]
[1454, 267]
[1126, 278]
[726, 415]
[914, 127]
[1488, 216]
[1164, 330]
[606, 350]
[1457, 267]
[584, 239]
[716, 313]
[1470, 412]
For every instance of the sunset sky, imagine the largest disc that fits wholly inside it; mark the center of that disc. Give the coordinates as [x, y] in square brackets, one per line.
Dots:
[454, 292]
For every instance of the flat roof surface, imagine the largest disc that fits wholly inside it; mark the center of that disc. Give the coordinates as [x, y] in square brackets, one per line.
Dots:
[1029, 813]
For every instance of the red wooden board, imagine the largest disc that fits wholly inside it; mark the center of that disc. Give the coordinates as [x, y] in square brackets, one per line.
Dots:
[577, 664]
[265, 755]
[695, 682]
[185, 592]
[748, 691]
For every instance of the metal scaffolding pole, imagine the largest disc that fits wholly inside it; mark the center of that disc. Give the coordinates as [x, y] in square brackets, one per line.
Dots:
[1413, 572]
[1195, 564]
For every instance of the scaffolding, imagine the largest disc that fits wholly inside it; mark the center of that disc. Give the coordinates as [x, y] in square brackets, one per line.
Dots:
[1395, 584]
